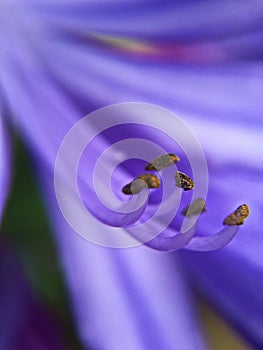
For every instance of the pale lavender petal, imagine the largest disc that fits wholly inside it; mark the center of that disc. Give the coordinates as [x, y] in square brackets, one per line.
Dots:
[94, 76]
[56, 108]
[198, 90]
[160, 243]
[106, 311]
[132, 298]
[231, 91]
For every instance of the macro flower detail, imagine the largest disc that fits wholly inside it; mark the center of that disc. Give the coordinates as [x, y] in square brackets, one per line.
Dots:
[152, 223]
[60, 62]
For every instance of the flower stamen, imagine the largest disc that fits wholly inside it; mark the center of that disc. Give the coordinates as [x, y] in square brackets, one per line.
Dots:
[135, 187]
[213, 242]
[183, 181]
[195, 208]
[162, 162]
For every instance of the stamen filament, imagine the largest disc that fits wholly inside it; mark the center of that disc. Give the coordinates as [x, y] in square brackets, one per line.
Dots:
[213, 242]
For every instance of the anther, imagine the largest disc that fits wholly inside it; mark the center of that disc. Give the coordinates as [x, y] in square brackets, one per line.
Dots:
[162, 162]
[184, 181]
[135, 187]
[195, 208]
[238, 216]
[127, 189]
[151, 180]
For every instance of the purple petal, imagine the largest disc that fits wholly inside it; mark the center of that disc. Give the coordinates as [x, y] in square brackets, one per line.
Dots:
[223, 199]
[200, 91]
[25, 324]
[158, 20]
[231, 92]
[105, 306]
[232, 280]
[132, 298]
[14, 301]
[36, 131]
[5, 171]
[232, 277]
[30, 109]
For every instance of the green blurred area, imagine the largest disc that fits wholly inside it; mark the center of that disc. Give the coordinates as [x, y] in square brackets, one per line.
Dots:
[27, 226]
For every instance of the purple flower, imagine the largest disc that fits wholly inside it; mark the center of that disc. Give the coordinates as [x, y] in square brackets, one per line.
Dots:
[25, 323]
[60, 62]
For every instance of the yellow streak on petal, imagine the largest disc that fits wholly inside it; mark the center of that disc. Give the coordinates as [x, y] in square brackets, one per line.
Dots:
[125, 44]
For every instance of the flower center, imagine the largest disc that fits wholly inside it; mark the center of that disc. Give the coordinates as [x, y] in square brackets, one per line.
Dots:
[189, 239]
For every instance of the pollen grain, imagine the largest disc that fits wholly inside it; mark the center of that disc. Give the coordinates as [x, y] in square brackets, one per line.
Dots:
[238, 216]
[184, 181]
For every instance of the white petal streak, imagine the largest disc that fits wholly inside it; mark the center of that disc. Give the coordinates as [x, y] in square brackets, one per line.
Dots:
[229, 142]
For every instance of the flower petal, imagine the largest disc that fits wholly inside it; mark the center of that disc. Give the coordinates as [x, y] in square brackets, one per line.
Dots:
[158, 20]
[232, 279]
[25, 323]
[5, 164]
[132, 298]
[157, 312]
[226, 234]
[232, 90]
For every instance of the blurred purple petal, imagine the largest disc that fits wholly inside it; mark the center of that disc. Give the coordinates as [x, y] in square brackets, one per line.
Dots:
[158, 20]
[231, 91]
[232, 278]
[25, 324]
[232, 281]
[88, 268]
[67, 53]
[54, 110]
[5, 164]
[132, 298]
